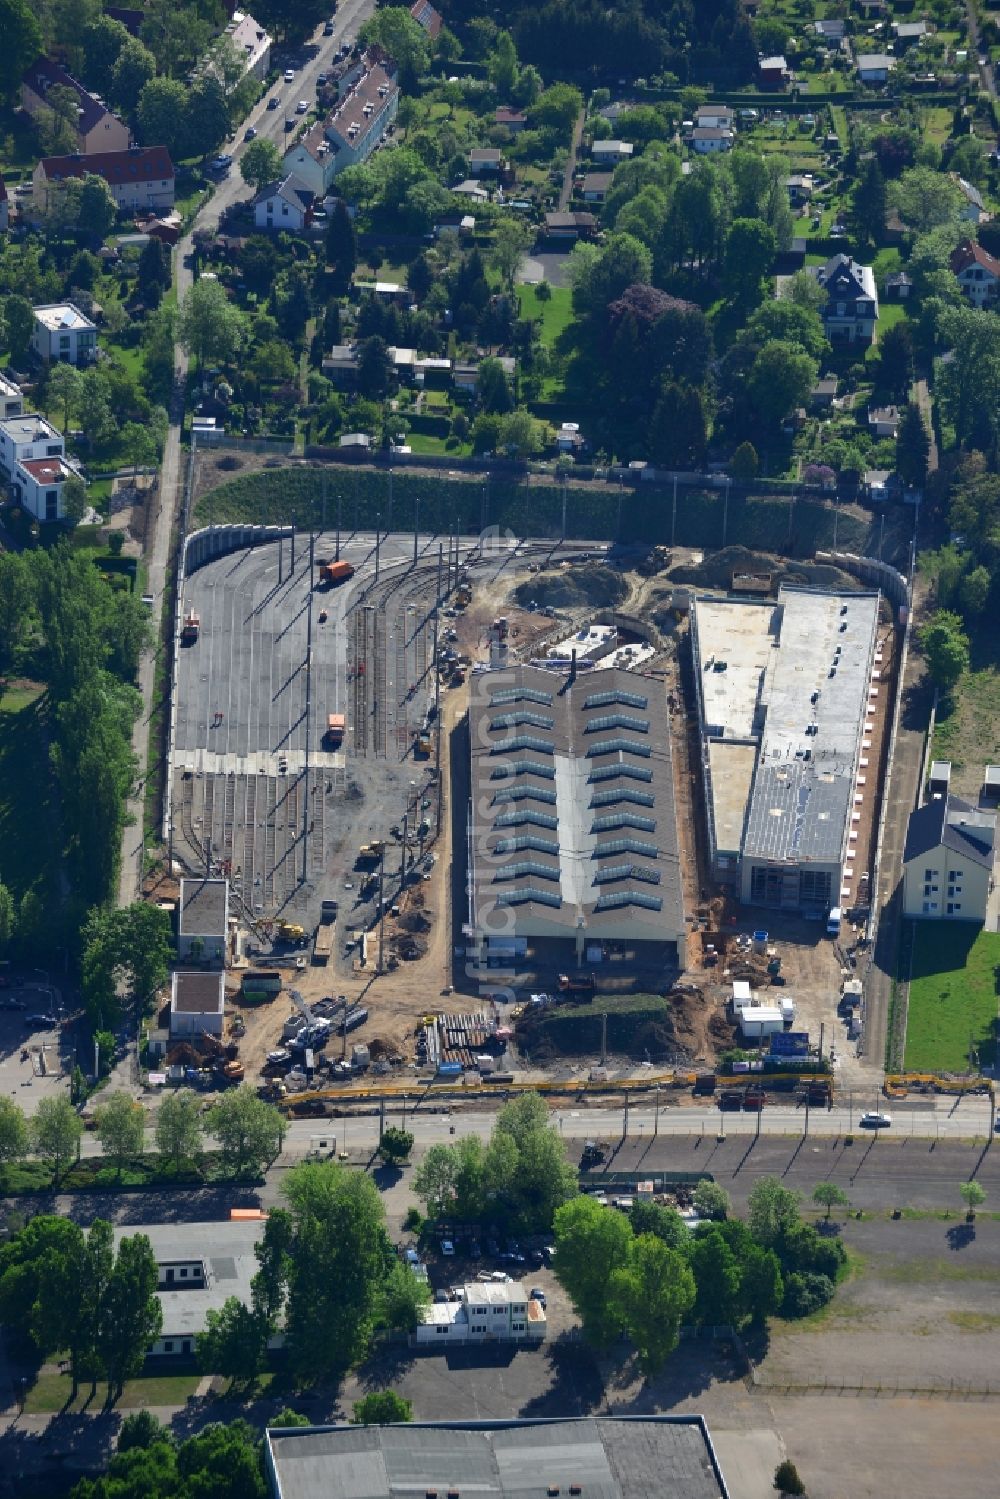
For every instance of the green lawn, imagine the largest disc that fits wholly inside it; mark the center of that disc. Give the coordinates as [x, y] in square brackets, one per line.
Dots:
[556, 314]
[953, 997]
[51, 1391]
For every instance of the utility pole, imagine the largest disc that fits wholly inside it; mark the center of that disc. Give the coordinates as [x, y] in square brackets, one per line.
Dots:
[604, 1038]
[323, 493]
[416, 528]
[281, 557]
[437, 723]
[305, 778]
[656, 1116]
[562, 532]
[625, 1117]
[402, 852]
[673, 515]
[312, 561]
[378, 542]
[440, 570]
[293, 547]
[340, 506]
[822, 1032]
[805, 1133]
[381, 908]
[388, 526]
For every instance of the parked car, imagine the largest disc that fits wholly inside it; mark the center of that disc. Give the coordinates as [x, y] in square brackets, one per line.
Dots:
[321, 79]
[875, 1120]
[289, 74]
[302, 107]
[220, 163]
[537, 1294]
[289, 124]
[273, 102]
[328, 29]
[44, 1022]
[447, 1249]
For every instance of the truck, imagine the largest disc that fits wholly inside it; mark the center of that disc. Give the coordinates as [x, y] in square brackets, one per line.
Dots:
[368, 854]
[422, 746]
[586, 983]
[191, 628]
[323, 943]
[332, 573]
[290, 931]
[336, 727]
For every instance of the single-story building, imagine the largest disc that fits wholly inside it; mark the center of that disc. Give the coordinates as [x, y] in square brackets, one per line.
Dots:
[714, 116]
[773, 72]
[898, 286]
[874, 67]
[341, 366]
[197, 1003]
[595, 186]
[486, 161]
[470, 188]
[875, 484]
[514, 120]
[832, 30]
[570, 226]
[799, 188]
[822, 394]
[203, 921]
[709, 140]
[358, 442]
[909, 33]
[613, 151]
[883, 421]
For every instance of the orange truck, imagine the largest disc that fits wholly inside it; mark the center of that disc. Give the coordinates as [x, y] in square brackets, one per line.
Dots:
[191, 628]
[332, 573]
[336, 727]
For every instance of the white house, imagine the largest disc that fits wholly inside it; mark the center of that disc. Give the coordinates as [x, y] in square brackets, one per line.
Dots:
[486, 1311]
[612, 151]
[948, 861]
[197, 1003]
[140, 178]
[26, 437]
[283, 205]
[709, 140]
[714, 116]
[977, 271]
[203, 922]
[252, 40]
[350, 132]
[11, 399]
[874, 67]
[850, 314]
[32, 460]
[62, 333]
[38, 486]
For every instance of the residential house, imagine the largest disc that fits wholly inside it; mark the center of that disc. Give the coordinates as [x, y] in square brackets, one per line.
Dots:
[822, 395]
[11, 399]
[948, 861]
[340, 366]
[799, 188]
[426, 16]
[977, 271]
[570, 440]
[203, 921]
[973, 209]
[356, 442]
[287, 204]
[872, 10]
[595, 186]
[197, 1002]
[62, 333]
[141, 178]
[485, 161]
[351, 131]
[4, 205]
[851, 311]
[570, 226]
[874, 67]
[252, 41]
[772, 72]
[470, 188]
[898, 286]
[876, 485]
[486, 1311]
[33, 459]
[514, 120]
[709, 140]
[714, 117]
[97, 129]
[831, 31]
[465, 373]
[909, 33]
[612, 151]
[883, 421]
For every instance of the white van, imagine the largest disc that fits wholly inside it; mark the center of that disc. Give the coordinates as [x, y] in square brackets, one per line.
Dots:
[833, 922]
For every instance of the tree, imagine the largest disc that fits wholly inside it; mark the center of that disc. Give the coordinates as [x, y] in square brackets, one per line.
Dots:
[650, 1296]
[375, 370]
[133, 69]
[503, 68]
[63, 389]
[128, 949]
[789, 320]
[974, 592]
[592, 1243]
[913, 446]
[718, 1279]
[493, 391]
[162, 114]
[520, 434]
[8, 918]
[771, 1211]
[210, 327]
[19, 318]
[787, 1480]
[103, 40]
[234, 1342]
[249, 1131]
[153, 271]
[663, 1222]
[260, 163]
[973, 1195]
[141, 1430]
[405, 40]
[868, 201]
[120, 1124]
[131, 1315]
[512, 239]
[744, 464]
[402, 1299]
[178, 1128]
[98, 211]
[22, 43]
[55, 1133]
[70, 1305]
[805, 291]
[206, 115]
[828, 1195]
[946, 646]
[14, 1135]
[221, 1462]
[750, 251]
[557, 110]
[341, 249]
[924, 198]
[74, 499]
[780, 379]
[382, 1408]
[709, 1200]
[289, 1418]
[434, 1180]
[895, 360]
[395, 1145]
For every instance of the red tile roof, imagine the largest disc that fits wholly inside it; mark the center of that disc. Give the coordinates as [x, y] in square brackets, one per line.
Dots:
[426, 16]
[140, 164]
[971, 253]
[45, 470]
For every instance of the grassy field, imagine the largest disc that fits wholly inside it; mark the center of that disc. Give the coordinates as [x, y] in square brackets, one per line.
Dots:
[51, 1391]
[555, 314]
[953, 997]
[967, 729]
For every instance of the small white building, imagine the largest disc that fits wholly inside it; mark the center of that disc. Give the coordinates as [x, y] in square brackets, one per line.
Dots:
[710, 140]
[62, 333]
[11, 399]
[612, 151]
[197, 1003]
[203, 921]
[875, 67]
[485, 1312]
[286, 204]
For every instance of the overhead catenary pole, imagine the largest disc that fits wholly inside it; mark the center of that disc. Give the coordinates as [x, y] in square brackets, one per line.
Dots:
[340, 506]
[305, 776]
[416, 528]
[381, 907]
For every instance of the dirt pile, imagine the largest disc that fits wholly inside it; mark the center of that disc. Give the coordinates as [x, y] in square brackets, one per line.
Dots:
[586, 585]
[717, 570]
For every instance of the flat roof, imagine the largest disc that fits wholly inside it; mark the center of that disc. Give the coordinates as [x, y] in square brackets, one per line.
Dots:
[731, 766]
[30, 427]
[57, 316]
[197, 993]
[575, 824]
[204, 907]
[734, 646]
[226, 1250]
[630, 1457]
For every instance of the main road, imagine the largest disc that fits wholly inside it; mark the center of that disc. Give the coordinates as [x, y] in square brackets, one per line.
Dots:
[269, 125]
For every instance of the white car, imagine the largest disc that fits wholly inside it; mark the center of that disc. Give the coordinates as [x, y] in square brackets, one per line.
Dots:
[875, 1120]
[289, 74]
[302, 107]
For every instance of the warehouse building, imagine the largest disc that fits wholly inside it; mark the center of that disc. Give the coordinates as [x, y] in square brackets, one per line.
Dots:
[622, 1457]
[782, 693]
[573, 832]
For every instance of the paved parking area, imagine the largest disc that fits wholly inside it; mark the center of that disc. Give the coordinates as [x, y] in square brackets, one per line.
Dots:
[35, 1062]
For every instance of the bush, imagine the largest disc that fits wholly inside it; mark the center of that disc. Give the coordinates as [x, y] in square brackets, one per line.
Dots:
[787, 1480]
[805, 1293]
[413, 1222]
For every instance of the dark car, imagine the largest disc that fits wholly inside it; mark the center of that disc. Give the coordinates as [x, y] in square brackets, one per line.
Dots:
[328, 29]
[273, 102]
[43, 1021]
[321, 80]
[289, 124]
[250, 134]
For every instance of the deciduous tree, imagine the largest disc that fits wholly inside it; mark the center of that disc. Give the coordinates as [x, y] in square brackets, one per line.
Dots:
[55, 1133]
[178, 1128]
[650, 1295]
[249, 1131]
[382, 1408]
[260, 164]
[120, 1125]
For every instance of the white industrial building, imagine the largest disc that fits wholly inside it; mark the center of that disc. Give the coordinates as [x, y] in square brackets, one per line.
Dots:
[203, 921]
[783, 690]
[486, 1311]
[197, 1003]
[573, 831]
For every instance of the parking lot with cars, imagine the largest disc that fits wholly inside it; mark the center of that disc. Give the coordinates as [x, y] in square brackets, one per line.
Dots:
[35, 1060]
